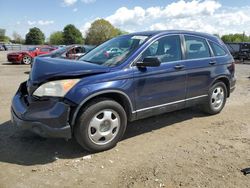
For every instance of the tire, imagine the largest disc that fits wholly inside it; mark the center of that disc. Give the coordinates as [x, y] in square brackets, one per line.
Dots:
[217, 97]
[100, 125]
[26, 60]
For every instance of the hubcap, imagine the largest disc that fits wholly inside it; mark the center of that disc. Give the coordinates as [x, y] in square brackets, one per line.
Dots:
[217, 98]
[26, 60]
[104, 126]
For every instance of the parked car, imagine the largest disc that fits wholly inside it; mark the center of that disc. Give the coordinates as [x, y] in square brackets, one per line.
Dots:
[26, 57]
[69, 52]
[3, 47]
[94, 97]
[239, 50]
[112, 52]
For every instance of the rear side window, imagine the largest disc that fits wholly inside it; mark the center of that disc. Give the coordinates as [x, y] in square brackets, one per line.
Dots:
[218, 51]
[196, 47]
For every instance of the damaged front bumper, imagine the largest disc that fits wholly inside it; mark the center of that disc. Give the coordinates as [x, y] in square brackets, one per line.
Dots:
[47, 118]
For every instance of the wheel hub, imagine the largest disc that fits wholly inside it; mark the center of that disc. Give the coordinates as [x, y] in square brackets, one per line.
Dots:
[105, 126]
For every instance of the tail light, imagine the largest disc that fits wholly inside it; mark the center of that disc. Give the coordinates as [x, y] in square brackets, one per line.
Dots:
[231, 68]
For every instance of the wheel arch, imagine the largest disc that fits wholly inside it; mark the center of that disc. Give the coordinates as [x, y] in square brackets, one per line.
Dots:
[225, 80]
[116, 95]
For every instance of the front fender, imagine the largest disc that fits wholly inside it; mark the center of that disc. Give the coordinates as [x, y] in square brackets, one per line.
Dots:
[83, 93]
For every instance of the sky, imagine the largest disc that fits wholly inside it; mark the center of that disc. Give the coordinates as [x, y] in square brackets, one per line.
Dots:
[211, 16]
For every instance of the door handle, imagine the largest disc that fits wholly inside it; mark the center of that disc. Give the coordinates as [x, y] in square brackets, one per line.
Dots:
[178, 67]
[212, 62]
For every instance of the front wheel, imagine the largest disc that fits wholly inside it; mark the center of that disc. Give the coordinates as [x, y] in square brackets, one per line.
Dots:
[217, 97]
[26, 60]
[100, 125]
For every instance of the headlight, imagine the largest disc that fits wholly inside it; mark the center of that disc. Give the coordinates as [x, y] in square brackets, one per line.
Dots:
[55, 88]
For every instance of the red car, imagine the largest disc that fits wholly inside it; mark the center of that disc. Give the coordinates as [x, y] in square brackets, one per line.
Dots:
[26, 57]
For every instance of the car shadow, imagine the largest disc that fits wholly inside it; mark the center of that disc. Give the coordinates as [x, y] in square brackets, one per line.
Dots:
[25, 148]
[10, 63]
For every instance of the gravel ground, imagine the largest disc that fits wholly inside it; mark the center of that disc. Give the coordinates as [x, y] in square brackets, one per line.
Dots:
[186, 148]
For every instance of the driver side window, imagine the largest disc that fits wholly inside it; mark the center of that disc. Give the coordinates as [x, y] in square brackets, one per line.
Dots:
[166, 49]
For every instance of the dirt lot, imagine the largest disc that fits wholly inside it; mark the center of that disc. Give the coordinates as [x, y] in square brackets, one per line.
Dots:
[181, 149]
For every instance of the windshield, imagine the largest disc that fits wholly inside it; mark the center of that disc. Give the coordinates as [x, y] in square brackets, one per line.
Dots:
[114, 51]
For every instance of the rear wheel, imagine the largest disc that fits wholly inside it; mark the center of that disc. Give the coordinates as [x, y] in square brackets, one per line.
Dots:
[26, 60]
[100, 125]
[217, 97]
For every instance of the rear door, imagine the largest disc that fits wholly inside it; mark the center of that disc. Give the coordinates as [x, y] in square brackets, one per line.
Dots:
[163, 88]
[200, 66]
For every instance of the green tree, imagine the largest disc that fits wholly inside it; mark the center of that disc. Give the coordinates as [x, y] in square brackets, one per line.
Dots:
[72, 35]
[100, 31]
[34, 36]
[56, 38]
[235, 38]
[2, 34]
[17, 38]
[122, 32]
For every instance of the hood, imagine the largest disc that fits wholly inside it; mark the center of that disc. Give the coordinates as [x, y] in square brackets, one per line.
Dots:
[51, 69]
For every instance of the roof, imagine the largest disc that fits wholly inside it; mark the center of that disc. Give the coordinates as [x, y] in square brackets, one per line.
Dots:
[162, 32]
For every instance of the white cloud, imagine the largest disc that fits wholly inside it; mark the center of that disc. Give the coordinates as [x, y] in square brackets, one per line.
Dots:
[31, 22]
[206, 16]
[125, 16]
[191, 8]
[69, 2]
[40, 22]
[45, 22]
[88, 1]
[197, 15]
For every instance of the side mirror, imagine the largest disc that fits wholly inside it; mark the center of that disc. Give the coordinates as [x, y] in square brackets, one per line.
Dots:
[149, 62]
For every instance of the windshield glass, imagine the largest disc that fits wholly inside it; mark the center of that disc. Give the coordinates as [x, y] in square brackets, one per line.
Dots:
[114, 51]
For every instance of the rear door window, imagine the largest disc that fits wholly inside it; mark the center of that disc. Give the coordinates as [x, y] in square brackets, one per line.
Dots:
[196, 48]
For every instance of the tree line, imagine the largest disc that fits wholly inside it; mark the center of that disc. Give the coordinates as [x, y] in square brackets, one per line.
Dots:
[100, 31]
[236, 38]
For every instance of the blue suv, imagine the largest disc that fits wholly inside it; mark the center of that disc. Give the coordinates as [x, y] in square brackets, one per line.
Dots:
[152, 73]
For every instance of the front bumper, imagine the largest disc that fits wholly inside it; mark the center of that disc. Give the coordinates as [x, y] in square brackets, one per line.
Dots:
[14, 59]
[47, 118]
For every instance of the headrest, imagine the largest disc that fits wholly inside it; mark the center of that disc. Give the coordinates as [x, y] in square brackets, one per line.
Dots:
[195, 47]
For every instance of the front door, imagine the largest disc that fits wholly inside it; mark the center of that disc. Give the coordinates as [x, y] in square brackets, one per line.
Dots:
[163, 88]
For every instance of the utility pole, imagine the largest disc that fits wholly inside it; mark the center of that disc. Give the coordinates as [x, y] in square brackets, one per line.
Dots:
[243, 36]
